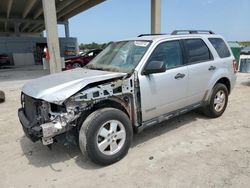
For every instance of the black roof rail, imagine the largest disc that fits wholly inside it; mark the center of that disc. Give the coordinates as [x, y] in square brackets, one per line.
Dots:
[142, 35]
[178, 32]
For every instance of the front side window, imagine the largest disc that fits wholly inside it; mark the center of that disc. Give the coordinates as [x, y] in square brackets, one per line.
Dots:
[169, 52]
[220, 47]
[120, 56]
[197, 51]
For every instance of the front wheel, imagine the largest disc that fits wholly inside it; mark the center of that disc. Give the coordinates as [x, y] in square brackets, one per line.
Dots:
[105, 136]
[218, 101]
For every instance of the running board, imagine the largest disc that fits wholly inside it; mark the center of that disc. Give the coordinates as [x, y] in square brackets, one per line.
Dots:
[168, 116]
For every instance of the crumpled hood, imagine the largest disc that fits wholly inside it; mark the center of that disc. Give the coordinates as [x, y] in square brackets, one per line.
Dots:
[56, 88]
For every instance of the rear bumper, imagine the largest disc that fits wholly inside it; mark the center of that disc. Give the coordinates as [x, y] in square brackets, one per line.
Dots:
[31, 130]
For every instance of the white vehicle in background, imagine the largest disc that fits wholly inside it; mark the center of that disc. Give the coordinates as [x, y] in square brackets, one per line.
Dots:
[130, 85]
[244, 64]
[245, 50]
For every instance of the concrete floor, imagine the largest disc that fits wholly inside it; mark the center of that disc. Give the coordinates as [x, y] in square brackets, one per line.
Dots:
[187, 151]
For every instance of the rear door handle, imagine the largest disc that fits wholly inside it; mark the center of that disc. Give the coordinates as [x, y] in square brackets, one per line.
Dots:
[179, 76]
[211, 68]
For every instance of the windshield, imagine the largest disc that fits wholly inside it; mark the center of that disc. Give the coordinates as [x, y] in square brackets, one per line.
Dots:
[120, 56]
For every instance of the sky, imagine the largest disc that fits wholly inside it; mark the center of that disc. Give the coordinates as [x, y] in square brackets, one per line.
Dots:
[113, 20]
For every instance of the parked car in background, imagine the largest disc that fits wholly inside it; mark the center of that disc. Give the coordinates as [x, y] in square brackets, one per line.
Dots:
[245, 50]
[4, 59]
[244, 64]
[81, 60]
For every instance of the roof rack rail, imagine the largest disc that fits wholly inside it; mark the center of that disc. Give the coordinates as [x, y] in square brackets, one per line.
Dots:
[142, 35]
[178, 32]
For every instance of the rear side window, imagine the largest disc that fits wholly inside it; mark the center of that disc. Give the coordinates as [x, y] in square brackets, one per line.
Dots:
[197, 51]
[220, 47]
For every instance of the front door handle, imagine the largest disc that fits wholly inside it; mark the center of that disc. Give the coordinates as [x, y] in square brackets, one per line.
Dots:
[179, 76]
[211, 68]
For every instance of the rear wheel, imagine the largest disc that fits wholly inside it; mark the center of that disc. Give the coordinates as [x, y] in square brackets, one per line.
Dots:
[218, 101]
[106, 135]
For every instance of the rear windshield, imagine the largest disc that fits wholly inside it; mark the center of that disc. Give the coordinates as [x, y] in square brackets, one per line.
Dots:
[220, 47]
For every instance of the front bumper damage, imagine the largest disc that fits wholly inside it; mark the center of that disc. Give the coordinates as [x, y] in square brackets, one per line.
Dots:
[45, 132]
[33, 132]
[40, 122]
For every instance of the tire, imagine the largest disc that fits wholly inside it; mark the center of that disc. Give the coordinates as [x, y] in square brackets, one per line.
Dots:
[68, 66]
[217, 103]
[97, 141]
[76, 65]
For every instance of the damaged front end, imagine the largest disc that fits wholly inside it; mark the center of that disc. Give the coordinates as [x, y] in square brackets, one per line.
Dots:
[44, 121]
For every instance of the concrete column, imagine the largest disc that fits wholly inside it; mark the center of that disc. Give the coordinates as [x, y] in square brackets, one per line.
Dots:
[155, 16]
[49, 10]
[66, 27]
[16, 26]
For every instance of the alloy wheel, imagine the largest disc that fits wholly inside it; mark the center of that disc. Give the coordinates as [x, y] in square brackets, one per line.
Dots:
[111, 137]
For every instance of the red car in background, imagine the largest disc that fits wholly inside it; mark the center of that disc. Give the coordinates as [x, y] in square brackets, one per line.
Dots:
[4, 59]
[81, 60]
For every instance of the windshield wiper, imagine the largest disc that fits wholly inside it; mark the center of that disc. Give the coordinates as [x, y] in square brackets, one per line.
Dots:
[112, 69]
[93, 67]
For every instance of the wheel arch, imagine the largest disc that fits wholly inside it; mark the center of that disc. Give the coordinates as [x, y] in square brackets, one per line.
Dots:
[107, 103]
[223, 79]
[113, 103]
[226, 82]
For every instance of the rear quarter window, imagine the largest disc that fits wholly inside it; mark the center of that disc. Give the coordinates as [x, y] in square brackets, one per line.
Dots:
[197, 51]
[220, 47]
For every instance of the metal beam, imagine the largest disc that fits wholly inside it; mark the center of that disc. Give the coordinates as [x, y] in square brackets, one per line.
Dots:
[9, 6]
[63, 5]
[13, 33]
[26, 20]
[71, 7]
[39, 29]
[66, 27]
[25, 26]
[30, 29]
[155, 16]
[5, 26]
[38, 13]
[81, 8]
[28, 6]
[16, 28]
[49, 9]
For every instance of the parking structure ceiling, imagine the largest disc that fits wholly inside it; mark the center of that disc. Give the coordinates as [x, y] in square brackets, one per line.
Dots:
[26, 16]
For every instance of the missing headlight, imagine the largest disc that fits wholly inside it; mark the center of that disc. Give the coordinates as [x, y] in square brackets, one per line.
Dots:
[57, 108]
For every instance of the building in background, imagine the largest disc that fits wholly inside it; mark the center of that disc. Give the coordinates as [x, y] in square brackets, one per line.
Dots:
[29, 50]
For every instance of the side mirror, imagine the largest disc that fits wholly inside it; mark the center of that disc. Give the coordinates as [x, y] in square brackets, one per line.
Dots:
[154, 67]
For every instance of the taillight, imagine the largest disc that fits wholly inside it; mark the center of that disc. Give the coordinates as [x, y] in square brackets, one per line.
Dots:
[234, 66]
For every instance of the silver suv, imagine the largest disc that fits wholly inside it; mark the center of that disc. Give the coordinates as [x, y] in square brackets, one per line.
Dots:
[130, 85]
